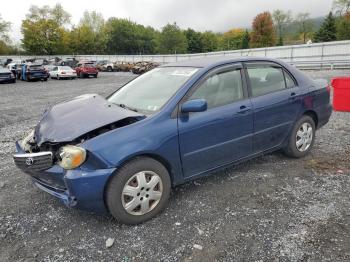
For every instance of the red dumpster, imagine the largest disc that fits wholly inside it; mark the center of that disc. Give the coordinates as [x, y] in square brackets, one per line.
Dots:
[341, 95]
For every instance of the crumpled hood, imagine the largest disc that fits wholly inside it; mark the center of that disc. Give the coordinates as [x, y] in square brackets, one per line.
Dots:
[69, 120]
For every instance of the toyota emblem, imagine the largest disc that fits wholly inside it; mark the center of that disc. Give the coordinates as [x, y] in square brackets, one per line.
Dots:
[29, 161]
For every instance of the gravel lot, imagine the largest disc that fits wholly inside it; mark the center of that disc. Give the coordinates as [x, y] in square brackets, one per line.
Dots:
[269, 209]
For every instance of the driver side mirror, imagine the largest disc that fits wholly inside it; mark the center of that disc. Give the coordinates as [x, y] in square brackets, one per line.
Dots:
[195, 105]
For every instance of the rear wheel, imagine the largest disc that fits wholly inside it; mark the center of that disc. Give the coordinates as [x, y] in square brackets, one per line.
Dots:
[81, 75]
[95, 76]
[302, 137]
[139, 191]
[109, 69]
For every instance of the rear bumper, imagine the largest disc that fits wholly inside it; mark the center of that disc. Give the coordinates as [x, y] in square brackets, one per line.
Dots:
[67, 76]
[79, 188]
[37, 75]
[7, 80]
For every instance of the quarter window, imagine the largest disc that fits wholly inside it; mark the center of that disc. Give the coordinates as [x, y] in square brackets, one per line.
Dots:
[265, 79]
[289, 80]
[220, 89]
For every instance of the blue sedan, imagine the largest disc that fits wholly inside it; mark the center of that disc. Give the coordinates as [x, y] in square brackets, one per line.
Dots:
[123, 154]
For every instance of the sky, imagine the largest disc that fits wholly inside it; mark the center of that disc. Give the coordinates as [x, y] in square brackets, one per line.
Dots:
[201, 15]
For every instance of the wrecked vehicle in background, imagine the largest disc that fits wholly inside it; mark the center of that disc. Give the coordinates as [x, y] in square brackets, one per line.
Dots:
[117, 67]
[6, 76]
[29, 72]
[143, 67]
[86, 69]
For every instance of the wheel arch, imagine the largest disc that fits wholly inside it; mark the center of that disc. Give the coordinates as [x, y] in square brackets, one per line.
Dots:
[156, 157]
[313, 115]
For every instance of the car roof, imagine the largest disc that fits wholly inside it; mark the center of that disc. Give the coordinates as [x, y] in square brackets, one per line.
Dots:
[218, 60]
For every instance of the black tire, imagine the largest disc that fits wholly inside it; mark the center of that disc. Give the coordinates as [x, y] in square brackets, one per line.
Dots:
[81, 75]
[14, 81]
[95, 76]
[45, 79]
[292, 150]
[116, 185]
[109, 69]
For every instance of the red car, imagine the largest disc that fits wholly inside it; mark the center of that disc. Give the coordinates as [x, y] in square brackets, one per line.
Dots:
[86, 69]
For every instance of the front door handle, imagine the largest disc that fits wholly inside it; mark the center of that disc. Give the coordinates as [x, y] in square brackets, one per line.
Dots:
[243, 109]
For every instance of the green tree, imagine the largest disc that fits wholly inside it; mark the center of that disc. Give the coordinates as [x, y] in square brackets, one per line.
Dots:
[263, 34]
[210, 41]
[89, 37]
[43, 32]
[328, 30]
[343, 27]
[194, 40]
[232, 39]
[59, 15]
[246, 40]
[304, 24]
[172, 40]
[281, 20]
[4, 29]
[127, 37]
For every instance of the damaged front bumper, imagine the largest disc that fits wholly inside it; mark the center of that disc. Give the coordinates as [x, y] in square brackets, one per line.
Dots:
[81, 188]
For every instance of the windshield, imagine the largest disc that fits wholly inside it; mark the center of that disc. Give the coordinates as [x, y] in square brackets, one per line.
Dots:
[150, 91]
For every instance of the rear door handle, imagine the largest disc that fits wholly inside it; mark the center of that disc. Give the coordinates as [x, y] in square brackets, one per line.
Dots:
[293, 95]
[243, 109]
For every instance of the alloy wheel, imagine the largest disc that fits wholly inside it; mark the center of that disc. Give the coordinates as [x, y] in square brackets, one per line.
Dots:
[304, 137]
[142, 193]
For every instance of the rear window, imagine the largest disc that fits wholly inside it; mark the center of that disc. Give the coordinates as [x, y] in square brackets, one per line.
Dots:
[89, 65]
[36, 67]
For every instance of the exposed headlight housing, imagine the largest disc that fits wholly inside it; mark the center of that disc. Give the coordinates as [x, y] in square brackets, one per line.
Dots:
[25, 142]
[71, 156]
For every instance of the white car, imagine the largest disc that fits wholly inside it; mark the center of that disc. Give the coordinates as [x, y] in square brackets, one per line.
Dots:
[60, 72]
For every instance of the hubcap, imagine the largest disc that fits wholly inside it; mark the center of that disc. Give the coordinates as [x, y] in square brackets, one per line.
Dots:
[304, 137]
[142, 193]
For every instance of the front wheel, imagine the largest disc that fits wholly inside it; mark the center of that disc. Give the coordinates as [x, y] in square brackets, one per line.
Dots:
[302, 138]
[138, 191]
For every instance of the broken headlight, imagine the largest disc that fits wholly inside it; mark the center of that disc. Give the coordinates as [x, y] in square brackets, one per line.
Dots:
[71, 157]
[25, 143]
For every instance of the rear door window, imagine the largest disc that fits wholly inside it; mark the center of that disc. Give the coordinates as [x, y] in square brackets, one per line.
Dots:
[265, 79]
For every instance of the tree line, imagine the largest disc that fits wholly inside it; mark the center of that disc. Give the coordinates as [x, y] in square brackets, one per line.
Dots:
[48, 31]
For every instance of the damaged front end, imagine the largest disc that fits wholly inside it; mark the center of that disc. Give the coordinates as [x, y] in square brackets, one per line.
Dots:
[53, 153]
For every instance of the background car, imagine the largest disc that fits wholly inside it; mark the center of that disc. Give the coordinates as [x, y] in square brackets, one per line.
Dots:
[86, 69]
[6, 76]
[29, 71]
[69, 61]
[63, 72]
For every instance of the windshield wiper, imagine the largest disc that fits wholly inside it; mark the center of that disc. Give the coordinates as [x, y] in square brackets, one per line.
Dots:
[127, 107]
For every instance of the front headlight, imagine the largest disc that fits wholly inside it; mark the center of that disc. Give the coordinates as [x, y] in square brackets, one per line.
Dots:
[71, 156]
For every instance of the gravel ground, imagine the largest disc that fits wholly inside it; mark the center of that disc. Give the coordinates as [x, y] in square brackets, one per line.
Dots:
[269, 209]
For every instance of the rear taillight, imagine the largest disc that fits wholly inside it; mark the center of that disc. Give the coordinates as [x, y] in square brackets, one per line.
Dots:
[63, 73]
[329, 89]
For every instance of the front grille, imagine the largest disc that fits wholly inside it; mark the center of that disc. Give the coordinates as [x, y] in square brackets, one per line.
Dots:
[34, 161]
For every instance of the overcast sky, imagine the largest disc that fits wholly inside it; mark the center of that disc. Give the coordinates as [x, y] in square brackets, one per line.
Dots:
[215, 15]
